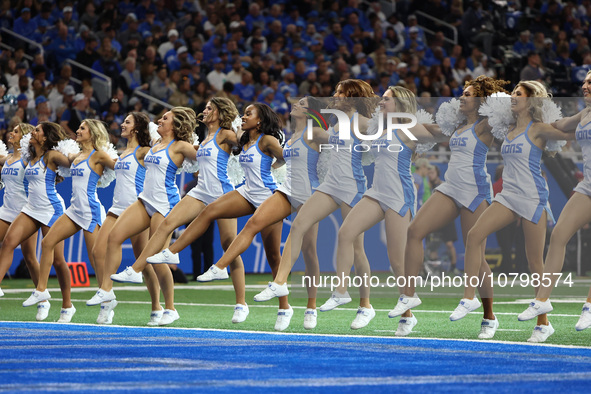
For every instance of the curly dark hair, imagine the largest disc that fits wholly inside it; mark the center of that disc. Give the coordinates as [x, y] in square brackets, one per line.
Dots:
[142, 126]
[184, 123]
[485, 86]
[54, 133]
[366, 101]
[270, 124]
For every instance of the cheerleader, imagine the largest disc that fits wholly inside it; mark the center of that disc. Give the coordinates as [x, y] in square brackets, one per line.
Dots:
[213, 155]
[466, 193]
[44, 206]
[575, 214]
[15, 198]
[343, 187]
[301, 157]
[85, 211]
[524, 195]
[155, 202]
[130, 174]
[260, 143]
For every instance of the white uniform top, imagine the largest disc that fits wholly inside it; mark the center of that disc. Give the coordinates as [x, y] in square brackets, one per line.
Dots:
[130, 175]
[301, 179]
[44, 204]
[345, 180]
[259, 183]
[15, 195]
[85, 208]
[583, 135]
[525, 191]
[393, 185]
[160, 189]
[466, 178]
[213, 172]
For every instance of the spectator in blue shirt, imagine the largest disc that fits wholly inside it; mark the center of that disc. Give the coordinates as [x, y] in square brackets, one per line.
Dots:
[24, 25]
[244, 90]
[524, 45]
[336, 39]
[254, 17]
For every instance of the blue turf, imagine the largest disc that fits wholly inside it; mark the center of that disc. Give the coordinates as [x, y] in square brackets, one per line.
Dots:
[53, 357]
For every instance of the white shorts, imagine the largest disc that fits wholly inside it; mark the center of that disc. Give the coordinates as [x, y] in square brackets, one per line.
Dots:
[584, 187]
[294, 201]
[397, 205]
[470, 201]
[87, 223]
[341, 195]
[529, 209]
[202, 196]
[46, 217]
[255, 199]
[8, 215]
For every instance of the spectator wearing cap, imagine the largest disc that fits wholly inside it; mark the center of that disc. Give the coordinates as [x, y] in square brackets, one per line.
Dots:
[244, 90]
[44, 113]
[412, 23]
[163, 49]
[336, 39]
[72, 117]
[413, 39]
[288, 79]
[175, 58]
[87, 56]
[524, 44]
[160, 85]
[254, 17]
[217, 77]
[68, 18]
[24, 24]
[533, 69]
[548, 53]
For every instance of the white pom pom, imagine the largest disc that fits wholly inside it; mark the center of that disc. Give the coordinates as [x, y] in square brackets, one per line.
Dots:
[279, 174]
[367, 158]
[108, 174]
[551, 112]
[236, 124]
[497, 108]
[66, 148]
[323, 163]
[189, 166]
[424, 117]
[3, 149]
[154, 136]
[235, 171]
[195, 139]
[449, 117]
[373, 123]
[25, 155]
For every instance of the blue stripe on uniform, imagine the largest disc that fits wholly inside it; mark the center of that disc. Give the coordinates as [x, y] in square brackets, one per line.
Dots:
[172, 192]
[479, 164]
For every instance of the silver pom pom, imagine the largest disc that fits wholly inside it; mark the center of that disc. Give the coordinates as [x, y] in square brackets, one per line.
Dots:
[25, 147]
[449, 117]
[497, 108]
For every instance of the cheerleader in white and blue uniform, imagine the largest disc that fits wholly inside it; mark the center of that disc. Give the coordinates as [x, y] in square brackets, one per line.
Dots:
[575, 214]
[213, 182]
[301, 155]
[260, 144]
[85, 212]
[129, 174]
[466, 193]
[155, 202]
[524, 195]
[15, 198]
[43, 207]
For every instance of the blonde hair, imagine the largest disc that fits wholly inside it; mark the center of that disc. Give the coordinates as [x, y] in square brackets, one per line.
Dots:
[25, 128]
[184, 122]
[405, 98]
[98, 133]
[536, 90]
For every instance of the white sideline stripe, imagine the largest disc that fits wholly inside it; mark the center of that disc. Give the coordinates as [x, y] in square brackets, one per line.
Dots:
[553, 300]
[258, 305]
[62, 326]
[306, 382]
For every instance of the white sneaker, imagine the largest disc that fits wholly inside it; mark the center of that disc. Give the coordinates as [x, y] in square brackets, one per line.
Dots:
[466, 306]
[100, 297]
[488, 328]
[155, 317]
[534, 309]
[240, 313]
[127, 276]
[42, 310]
[107, 312]
[283, 319]
[364, 316]
[168, 316]
[405, 326]
[541, 333]
[273, 290]
[36, 297]
[213, 273]
[585, 319]
[66, 315]
[310, 318]
[1, 293]
[164, 257]
[336, 299]
[404, 303]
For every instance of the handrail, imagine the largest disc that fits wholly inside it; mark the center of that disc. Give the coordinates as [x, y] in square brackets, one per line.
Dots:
[23, 38]
[152, 99]
[439, 21]
[90, 70]
[5, 46]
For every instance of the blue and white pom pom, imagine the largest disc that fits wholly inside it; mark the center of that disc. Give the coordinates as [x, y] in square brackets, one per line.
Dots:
[424, 117]
[449, 117]
[497, 108]
[154, 136]
[66, 148]
[551, 112]
[235, 171]
[108, 174]
[25, 154]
